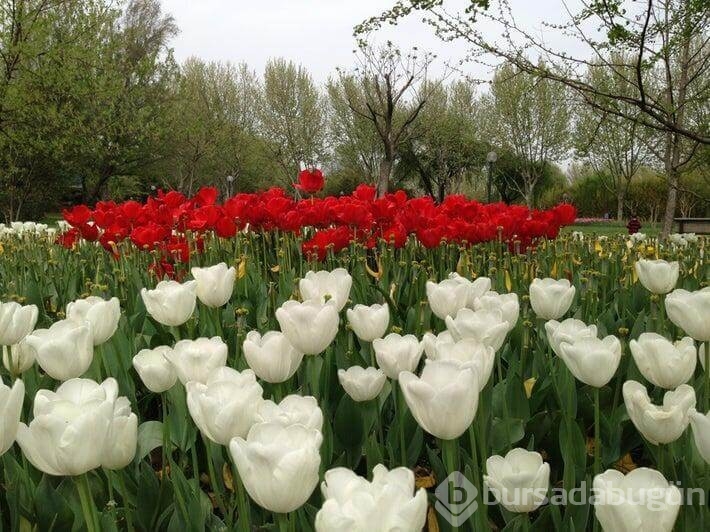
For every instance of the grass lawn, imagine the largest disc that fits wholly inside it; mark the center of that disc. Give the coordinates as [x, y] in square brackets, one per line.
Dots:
[612, 228]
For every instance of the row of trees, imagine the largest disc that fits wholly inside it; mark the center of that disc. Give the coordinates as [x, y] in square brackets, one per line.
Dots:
[93, 104]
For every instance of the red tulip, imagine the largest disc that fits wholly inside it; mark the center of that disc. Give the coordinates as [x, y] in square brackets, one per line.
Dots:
[310, 181]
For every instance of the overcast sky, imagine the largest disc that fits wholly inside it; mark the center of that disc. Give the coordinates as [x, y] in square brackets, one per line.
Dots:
[315, 33]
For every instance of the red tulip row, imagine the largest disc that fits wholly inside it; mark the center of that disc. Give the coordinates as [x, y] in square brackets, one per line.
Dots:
[331, 222]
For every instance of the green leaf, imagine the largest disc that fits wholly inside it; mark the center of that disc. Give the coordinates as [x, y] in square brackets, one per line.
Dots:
[348, 423]
[150, 436]
[53, 510]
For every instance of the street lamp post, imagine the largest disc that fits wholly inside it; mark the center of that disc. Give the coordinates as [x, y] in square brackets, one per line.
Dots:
[230, 180]
[491, 158]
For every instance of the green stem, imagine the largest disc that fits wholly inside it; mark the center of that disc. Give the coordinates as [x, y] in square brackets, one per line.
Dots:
[526, 522]
[399, 412]
[242, 504]
[282, 521]
[214, 482]
[478, 520]
[449, 450]
[165, 451]
[597, 442]
[126, 507]
[88, 507]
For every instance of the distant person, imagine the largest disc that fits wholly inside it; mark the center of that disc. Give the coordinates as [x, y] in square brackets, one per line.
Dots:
[634, 226]
[606, 215]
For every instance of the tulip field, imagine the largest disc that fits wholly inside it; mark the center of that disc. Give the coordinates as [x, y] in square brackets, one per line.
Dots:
[350, 364]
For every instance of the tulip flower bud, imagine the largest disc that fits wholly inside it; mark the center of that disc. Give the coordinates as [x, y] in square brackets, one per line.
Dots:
[362, 384]
[691, 312]
[519, 481]
[310, 326]
[395, 353]
[271, 356]
[369, 323]
[292, 410]
[550, 298]
[659, 424]
[591, 360]
[663, 363]
[225, 406]
[101, 314]
[278, 465]
[171, 303]
[156, 371]
[10, 410]
[16, 322]
[194, 360]
[657, 276]
[444, 399]
[640, 500]
[386, 503]
[65, 350]
[215, 284]
[326, 286]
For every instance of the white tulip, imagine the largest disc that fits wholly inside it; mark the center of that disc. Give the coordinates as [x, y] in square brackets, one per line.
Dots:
[278, 465]
[65, 350]
[156, 371]
[551, 298]
[485, 326]
[101, 314]
[10, 410]
[469, 352]
[292, 410]
[519, 481]
[690, 311]
[449, 296]
[395, 353]
[171, 303]
[81, 426]
[700, 423]
[362, 384]
[507, 304]
[18, 358]
[659, 424]
[225, 406]
[194, 360]
[369, 322]
[271, 356]
[324, 286]
[16, 322]
[215, 284]
[386, 504]
[310, 326]
[444, 399]
[567, 331]
[663, 363]
[434, 342]
[637, 238]
[657, 276]
[640, 500]
[591, 360]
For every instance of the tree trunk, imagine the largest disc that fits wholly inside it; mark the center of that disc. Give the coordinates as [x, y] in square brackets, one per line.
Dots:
[619, 205]
[383, 180]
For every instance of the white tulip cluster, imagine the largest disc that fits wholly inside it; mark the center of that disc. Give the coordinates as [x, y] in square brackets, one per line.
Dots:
[22, 229]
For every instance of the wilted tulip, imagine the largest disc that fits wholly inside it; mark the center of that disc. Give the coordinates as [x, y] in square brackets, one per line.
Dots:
[395, 353]
[485, 326]
[310, 326]
[278, 465]
[10, 410]
[700, 423]
[659, 424]
[444, 399]
[225, 406]
[567, 331]
[507, 304]
[519, 481]
[327, 286]
[194, 360]
[369, 323]
[78, 428]
[362, 384]
[690, 311]
[468, 352]
[385, 504]
[657, 276]
[16, 322]
[641, 500]
[292, 410]
[18, 358]
[154, 369]
[171, 303]
[101, 314]
[449, 296]
[65, 350]
[214, 284]
[591, 360]
[663, 363]
[271, 356]
[551, 298]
